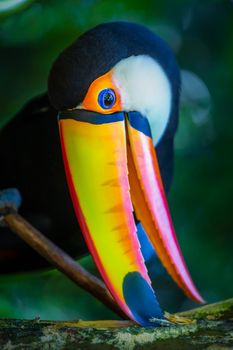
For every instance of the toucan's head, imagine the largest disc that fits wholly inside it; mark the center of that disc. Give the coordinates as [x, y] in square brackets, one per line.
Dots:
[119, 67]
[112, 86]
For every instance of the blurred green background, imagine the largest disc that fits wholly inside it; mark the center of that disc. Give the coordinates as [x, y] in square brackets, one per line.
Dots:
[32, 33]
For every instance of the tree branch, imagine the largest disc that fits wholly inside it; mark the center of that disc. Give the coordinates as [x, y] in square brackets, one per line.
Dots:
[214, 331]
[61, 260]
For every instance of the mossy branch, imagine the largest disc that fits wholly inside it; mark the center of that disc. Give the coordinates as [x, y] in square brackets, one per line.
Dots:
[212, 330]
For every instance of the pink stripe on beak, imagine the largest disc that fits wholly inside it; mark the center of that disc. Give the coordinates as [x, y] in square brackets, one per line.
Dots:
[152, 210]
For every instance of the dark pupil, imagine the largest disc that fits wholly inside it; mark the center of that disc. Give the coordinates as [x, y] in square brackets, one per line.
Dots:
[108, 99]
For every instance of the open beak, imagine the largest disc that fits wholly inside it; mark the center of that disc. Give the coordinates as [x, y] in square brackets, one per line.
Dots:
[111, 168]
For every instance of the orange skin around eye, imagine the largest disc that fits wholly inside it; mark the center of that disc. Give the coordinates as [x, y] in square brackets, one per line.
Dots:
[90, 101]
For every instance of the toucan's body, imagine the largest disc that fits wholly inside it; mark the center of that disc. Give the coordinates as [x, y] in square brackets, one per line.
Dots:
[116, 94]
[33, 156]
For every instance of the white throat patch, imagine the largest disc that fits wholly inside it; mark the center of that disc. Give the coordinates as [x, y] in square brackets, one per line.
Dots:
[145, 88]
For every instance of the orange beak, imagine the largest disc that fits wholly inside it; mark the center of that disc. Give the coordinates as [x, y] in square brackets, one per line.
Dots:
[111, 168]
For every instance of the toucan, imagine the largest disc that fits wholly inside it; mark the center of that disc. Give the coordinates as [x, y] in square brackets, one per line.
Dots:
[103, 136]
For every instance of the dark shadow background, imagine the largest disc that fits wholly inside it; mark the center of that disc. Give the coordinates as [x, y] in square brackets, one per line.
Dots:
[201, 35]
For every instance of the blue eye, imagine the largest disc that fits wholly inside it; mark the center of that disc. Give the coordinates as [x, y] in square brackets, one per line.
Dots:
[106, 98]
